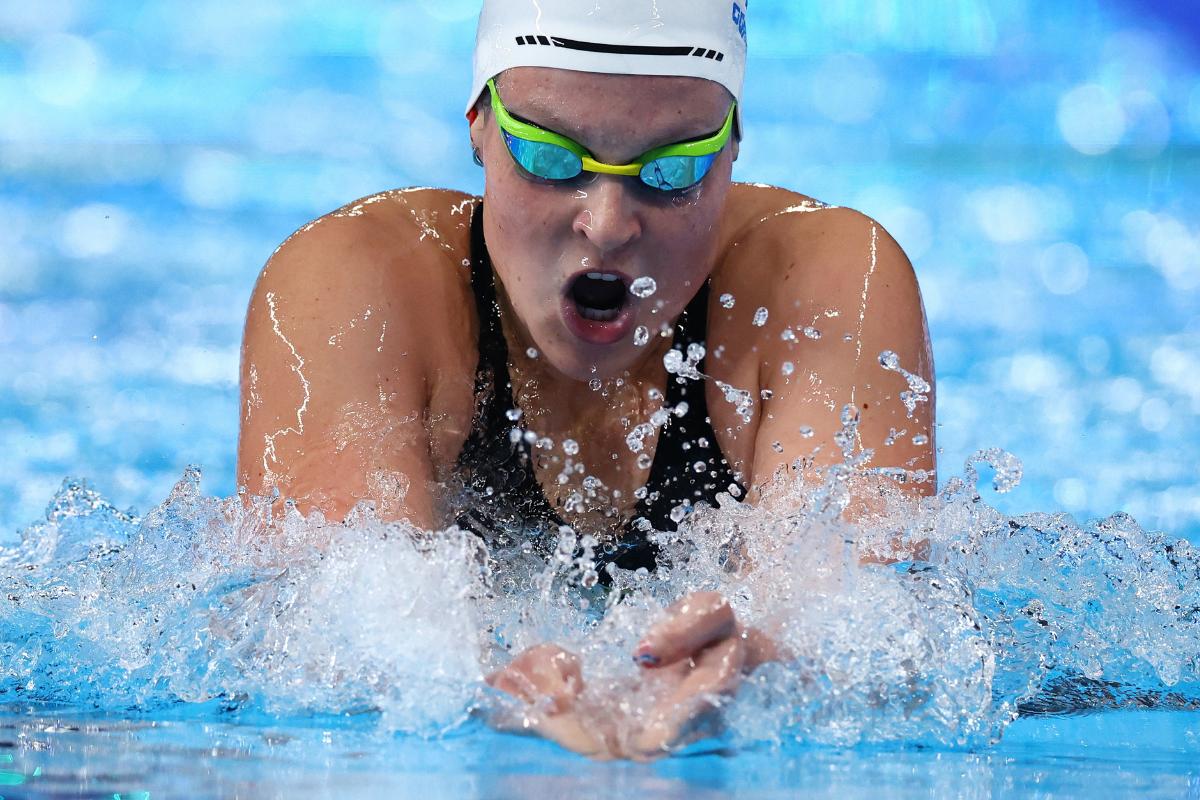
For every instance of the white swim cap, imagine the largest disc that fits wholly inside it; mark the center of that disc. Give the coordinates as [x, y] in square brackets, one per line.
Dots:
[698, 38]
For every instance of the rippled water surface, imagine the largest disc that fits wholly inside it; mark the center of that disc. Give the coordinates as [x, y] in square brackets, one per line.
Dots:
[1037, 163]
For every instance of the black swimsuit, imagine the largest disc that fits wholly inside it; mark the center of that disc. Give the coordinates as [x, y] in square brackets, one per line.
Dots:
[503, 494]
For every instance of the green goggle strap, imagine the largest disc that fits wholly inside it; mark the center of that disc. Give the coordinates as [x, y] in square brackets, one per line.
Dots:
[530, 132]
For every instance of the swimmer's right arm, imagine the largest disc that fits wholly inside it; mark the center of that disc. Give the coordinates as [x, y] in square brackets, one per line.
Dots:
[333, 381]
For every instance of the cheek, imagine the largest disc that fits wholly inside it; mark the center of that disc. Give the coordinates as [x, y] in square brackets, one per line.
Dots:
[690, 229]
[522, 214]
[524, 225]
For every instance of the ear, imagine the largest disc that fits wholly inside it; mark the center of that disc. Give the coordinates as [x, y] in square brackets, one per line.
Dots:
[477, 118]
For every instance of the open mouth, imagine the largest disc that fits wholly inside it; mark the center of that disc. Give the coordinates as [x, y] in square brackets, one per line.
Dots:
[599, 296]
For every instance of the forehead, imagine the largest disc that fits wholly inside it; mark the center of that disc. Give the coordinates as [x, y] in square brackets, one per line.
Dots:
[625, 113]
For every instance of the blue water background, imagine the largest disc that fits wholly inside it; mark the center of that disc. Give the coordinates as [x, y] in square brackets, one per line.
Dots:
[1037, 161]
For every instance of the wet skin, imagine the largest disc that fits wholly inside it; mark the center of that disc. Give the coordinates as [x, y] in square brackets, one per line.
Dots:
[360, 345]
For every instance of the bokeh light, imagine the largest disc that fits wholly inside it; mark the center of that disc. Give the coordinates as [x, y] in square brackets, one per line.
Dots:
[1036, 163]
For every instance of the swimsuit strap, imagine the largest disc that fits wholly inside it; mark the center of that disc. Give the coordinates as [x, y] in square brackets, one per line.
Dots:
[496, 470]
[688, 465]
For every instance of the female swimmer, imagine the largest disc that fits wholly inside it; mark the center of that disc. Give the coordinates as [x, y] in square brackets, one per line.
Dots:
[612, 335]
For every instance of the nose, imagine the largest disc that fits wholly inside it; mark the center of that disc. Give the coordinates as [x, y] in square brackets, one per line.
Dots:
[608, 215]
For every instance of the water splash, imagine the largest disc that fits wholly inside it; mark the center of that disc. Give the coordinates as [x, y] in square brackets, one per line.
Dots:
[206, 599]
[918, 388]
[685, 366]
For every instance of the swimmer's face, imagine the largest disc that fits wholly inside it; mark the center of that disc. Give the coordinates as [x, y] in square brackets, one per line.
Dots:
[544, 238]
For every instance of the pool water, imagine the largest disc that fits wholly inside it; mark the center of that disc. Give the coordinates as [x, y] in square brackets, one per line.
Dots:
[1115, 754]
[1039, 166]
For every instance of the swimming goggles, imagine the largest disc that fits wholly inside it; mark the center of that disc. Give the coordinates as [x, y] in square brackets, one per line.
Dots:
[553, 157]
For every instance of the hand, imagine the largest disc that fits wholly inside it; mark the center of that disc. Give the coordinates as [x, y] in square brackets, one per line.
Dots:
[548, 680]
[699, 654]
[696, 656]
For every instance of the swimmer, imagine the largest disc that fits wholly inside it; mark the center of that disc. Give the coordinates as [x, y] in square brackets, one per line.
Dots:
[615, 333]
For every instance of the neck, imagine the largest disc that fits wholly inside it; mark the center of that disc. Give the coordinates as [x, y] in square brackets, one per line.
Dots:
[598, 415]
[567, 402]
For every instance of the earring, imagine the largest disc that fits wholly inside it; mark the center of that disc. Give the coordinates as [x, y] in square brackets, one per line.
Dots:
[476, 157]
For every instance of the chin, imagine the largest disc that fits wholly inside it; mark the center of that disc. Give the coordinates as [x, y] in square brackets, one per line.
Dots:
[582, 362]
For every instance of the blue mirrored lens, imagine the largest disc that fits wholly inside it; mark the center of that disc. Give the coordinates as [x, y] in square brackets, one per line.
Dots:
[543, 159]
[676, 172]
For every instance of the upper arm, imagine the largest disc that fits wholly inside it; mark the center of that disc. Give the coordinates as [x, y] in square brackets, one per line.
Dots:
[333, 387]
[856, 292]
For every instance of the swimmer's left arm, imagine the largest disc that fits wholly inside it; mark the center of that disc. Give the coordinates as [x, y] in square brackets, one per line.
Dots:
[856, 293]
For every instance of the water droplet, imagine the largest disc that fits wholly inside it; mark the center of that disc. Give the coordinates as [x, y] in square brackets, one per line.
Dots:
[643, 286]
[514, 436]
[685, 367]
[513, 414]
[777, 447]
[918, 387]
[727, 300]
[812, 333]
[594, 384]
[788, 335]
[643, 462]
[681, 408]
[788, 368]
[640, 492]
[641, 335]
[545, 443]
[678, 513]
[530, 437]
[760, 317]
[570, 447]
[636, 438]
[741, 399]
[1007, 466]
[920, 439]
[532, 352]
[806, 431]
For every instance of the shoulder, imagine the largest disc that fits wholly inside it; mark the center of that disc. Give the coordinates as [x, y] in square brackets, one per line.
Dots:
[399, 252]
[382, 230]
[779, 245]
[820, 293]
[403, 246]
[800, 227]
